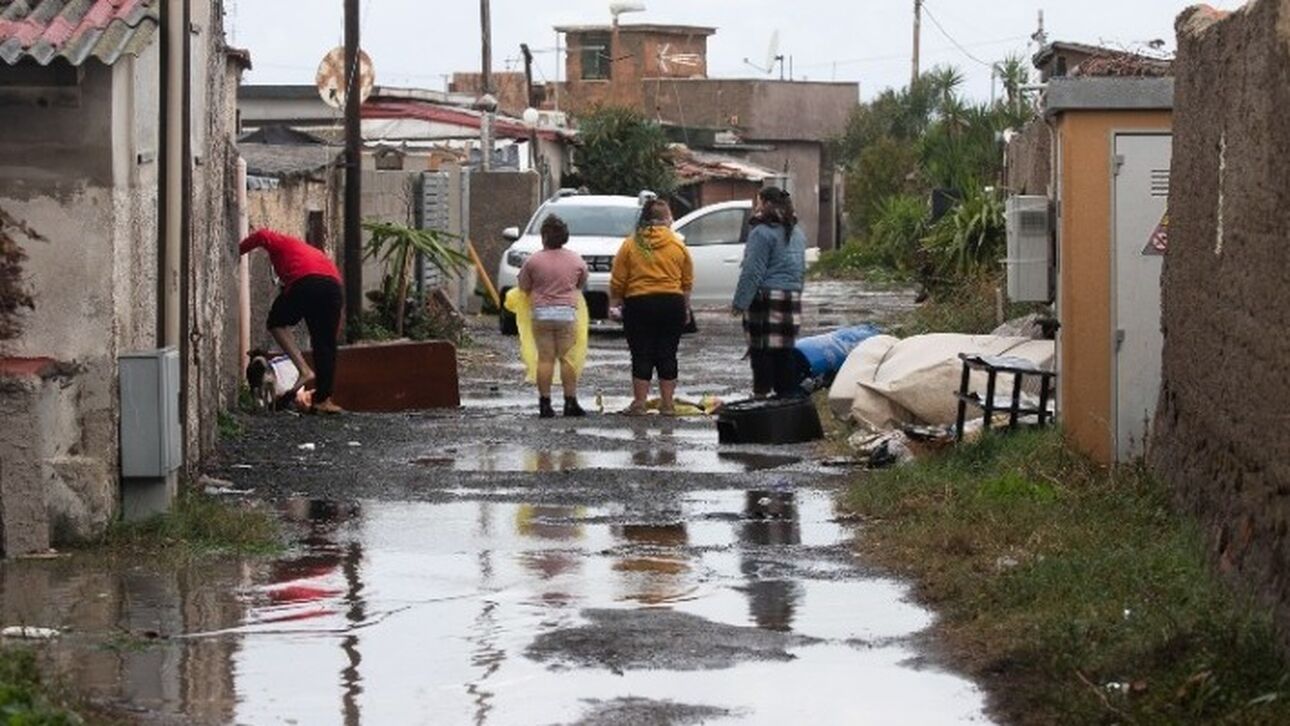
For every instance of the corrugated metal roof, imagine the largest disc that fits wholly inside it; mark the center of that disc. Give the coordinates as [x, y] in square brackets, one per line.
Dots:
[286, 161]
[694, 167]
[75, 30]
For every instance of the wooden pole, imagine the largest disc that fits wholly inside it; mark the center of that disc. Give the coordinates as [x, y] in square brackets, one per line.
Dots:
[353, 178]
[483, 274]
[918, 38]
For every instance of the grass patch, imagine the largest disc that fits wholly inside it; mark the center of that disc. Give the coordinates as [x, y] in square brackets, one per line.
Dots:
[857, 261]
[1073, 593]
[199, 525]
[228, 426]
[24, 698]
[967, 306]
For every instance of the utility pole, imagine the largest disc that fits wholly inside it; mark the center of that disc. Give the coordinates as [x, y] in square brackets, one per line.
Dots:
[486, 80]
[353, 178]
[528, 75]
[918, 38]
[486, 31]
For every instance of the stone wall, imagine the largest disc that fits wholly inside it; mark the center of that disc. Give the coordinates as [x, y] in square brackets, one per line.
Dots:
[213, 368]
[1029, 160]
[1222, 439]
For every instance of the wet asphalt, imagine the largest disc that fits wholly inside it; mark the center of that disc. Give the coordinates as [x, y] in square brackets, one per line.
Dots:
[482, 566]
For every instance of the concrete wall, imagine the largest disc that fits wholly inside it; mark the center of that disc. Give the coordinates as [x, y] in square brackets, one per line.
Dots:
[286, 209]
[499, 200]
[803, 161]
[86, 177]
[1085, 345]
[761, 110]
[1221, 429]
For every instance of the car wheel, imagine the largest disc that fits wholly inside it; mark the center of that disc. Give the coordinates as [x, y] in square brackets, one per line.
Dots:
[506, 323]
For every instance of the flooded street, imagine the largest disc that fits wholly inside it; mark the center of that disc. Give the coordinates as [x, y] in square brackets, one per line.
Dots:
[484, 567]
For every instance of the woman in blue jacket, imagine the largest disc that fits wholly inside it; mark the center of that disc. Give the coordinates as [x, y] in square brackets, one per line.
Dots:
[769, 295]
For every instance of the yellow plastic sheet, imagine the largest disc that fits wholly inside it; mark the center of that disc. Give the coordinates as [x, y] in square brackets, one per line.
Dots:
[519, 303]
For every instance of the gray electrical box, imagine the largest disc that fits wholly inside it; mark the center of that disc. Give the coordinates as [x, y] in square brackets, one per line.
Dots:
[150, 432]
[1028, 260]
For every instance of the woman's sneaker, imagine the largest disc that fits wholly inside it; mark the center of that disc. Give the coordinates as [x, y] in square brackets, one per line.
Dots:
[544, 408]
[572, 409]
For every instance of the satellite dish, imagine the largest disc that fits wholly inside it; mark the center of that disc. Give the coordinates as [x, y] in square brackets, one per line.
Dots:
[772, 52]
[773, 56]
[331, 77]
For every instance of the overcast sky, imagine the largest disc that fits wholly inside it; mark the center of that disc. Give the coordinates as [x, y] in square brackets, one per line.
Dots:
[417, 42]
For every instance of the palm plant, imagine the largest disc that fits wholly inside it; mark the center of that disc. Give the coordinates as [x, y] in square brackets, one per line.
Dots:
[970, 239]
[397, 247]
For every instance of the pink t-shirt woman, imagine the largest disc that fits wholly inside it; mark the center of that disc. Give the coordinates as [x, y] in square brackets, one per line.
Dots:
[554, 277]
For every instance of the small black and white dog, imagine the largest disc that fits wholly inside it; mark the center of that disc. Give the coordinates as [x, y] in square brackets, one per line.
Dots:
[262, 380]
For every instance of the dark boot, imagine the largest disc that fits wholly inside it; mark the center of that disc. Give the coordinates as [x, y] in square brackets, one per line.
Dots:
[572, 409]
[544, 408]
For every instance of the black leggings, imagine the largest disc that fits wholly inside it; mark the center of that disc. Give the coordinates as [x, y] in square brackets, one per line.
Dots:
[775, 369]
[654, 324]
[317, 300]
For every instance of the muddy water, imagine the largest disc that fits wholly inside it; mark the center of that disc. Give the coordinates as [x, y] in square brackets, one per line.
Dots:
[479, 612]
[482, 567]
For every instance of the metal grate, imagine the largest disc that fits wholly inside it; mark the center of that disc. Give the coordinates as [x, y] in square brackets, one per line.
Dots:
[1160, 183]
[1032, 222]
[599, 263]
[434, 214]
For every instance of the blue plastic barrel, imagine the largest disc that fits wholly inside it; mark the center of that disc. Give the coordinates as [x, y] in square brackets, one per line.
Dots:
[820, 357]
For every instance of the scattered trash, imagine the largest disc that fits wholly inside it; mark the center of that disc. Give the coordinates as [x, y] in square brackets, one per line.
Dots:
[221, 488]
[50, 554]
[1033, 326]
[882, 450]
[242, 467]
[1115, 687]
[29, 633]
[354, 444]
[308, 447]
[1005, 563]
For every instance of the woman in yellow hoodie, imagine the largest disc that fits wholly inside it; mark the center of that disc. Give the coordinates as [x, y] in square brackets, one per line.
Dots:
[652, 278]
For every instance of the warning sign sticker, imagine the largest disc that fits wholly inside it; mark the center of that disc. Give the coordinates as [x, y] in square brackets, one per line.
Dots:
[1158, 242]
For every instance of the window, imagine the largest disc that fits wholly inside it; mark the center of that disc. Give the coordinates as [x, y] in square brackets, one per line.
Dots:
[585, 220]
[718, 228]
[595, 49]
[316, 230]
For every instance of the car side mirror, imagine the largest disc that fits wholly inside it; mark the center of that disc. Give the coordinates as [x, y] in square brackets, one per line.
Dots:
[510, 234]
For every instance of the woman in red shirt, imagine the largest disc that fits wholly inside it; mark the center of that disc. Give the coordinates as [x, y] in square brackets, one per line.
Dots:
[311, 291]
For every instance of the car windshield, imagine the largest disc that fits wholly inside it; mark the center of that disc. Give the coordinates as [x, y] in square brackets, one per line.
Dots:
[585, 220]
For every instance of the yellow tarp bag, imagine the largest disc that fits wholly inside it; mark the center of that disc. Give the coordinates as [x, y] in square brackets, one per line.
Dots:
[521, 305]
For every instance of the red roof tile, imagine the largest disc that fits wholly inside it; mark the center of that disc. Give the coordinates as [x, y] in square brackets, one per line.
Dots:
[75, 30]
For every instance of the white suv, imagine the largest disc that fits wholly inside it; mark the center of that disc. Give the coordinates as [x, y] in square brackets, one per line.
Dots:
[597, 227]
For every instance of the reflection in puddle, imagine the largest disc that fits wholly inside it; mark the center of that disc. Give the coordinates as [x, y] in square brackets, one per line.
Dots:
[390, 609]
[510, 458]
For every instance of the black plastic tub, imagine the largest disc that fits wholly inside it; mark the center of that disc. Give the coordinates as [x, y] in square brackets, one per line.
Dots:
[769, 421]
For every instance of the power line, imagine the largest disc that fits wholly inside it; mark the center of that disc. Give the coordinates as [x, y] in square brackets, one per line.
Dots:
[960, 46]
[902, 56]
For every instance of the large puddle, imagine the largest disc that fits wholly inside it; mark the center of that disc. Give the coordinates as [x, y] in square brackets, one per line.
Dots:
[722, 606]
